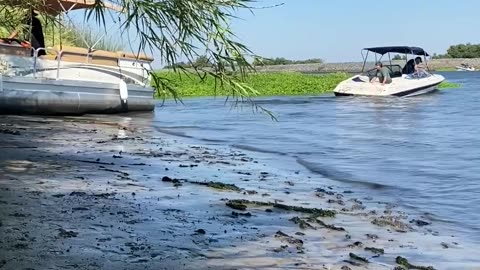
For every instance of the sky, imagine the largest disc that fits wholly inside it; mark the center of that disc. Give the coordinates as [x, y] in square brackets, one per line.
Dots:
[337, 30]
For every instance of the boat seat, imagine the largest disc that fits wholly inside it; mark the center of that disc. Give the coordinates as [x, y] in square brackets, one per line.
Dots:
[396, 74]
[395, 70]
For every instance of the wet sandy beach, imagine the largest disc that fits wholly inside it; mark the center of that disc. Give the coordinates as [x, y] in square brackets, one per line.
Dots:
[85, 193]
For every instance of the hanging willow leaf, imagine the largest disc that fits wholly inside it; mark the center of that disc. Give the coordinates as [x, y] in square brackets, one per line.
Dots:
[181, 29]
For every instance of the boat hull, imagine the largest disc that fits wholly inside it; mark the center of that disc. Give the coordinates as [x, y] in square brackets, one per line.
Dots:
[21, 95]
[400, 86]
[465, 69]
[73, 81]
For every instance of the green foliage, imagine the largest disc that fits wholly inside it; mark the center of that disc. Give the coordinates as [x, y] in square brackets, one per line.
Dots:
[267, 84]
[399, 57]
[56, 33]
[180, 29]
[201, 61]
[464, 51]
[85, 36]
[460, 51]
[259, 61]
[447, 85]
[440, 56]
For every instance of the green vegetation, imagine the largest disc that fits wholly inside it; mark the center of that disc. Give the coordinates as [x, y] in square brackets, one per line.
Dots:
[201, 61]
[260, 61]
[217, 185]
[447, 85]
[243, 204]
[81, 36]
[56, 33]
[407, 265]
[464, 51]
[399, 57]
[204, 61]
[267, 84]
[358, 258]
[460, 51]
[375, 250]
[176, 30]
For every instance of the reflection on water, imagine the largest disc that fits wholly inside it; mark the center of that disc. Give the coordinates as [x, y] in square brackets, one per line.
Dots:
[421, 152]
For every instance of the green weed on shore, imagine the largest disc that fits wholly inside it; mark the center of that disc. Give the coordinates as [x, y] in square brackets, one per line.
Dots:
[267, 84]
[447, 85]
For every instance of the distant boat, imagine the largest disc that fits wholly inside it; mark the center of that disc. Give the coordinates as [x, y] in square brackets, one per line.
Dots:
[403, 83]
[72, 80]
[465, 67]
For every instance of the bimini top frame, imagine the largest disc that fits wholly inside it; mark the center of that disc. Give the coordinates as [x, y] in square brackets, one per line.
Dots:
[394, 49]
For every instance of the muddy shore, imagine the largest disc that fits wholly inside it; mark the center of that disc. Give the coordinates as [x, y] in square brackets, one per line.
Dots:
[90, 193]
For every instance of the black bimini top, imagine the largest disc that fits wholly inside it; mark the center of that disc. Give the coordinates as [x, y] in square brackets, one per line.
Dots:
[398, 49]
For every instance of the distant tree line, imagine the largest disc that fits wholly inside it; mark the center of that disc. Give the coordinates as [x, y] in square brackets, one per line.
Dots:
[399, 57]
[203, 61]
[455, 51]
[259, 61]
[460, 51]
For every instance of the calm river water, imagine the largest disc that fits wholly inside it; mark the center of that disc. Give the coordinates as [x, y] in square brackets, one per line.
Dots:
[422, 152]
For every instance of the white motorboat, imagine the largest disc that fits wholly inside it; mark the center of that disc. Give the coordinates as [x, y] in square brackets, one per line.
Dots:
[404, 83]
[71, 80]
[465, 67]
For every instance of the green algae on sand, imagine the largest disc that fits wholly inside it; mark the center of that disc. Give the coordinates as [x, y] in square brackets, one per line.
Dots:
[375, 250]
[314, 211]
[358, 258]
[217, 185]
[406, 264]
[301, 223]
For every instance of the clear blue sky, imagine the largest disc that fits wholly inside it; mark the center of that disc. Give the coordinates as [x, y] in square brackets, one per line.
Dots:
[337, 30]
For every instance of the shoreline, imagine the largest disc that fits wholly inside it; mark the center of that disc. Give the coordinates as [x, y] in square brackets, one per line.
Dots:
[268, 84]
[87, 193]
[449, 64]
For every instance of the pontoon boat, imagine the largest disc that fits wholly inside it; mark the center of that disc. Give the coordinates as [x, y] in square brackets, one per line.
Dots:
[403, 83]
[71, 80]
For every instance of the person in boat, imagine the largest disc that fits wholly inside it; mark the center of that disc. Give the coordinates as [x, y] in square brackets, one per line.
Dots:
[37, 39]
[419, 66]
[383, 74]
[409, 67]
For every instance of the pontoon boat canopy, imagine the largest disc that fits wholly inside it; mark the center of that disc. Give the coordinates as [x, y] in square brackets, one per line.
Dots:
[55, 7]
[398, 49]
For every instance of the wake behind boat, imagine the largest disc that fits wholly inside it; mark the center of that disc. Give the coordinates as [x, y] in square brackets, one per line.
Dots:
[72, 80]
[404, 81]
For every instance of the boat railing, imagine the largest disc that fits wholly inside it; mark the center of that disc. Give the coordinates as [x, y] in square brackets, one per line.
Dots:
[58, 54]
[35, 60]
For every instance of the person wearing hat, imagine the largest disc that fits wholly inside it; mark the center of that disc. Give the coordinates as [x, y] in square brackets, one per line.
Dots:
[37, 39]
[383, 74]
